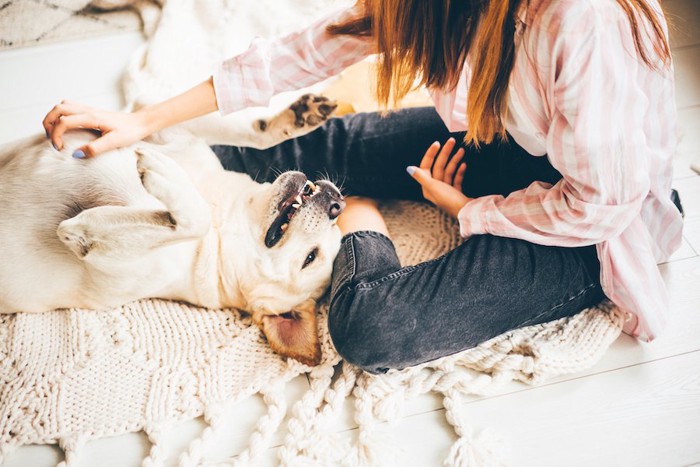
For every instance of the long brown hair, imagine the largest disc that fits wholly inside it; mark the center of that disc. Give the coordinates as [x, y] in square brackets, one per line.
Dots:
[426, 43]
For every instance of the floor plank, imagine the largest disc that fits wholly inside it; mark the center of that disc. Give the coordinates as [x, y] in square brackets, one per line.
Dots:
[689, 143]
[645, 415]
[689, 190]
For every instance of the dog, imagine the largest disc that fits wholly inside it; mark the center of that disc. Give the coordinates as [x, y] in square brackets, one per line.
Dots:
[163, 219]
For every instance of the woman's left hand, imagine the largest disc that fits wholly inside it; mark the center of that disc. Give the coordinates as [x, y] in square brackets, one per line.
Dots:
[441, 177]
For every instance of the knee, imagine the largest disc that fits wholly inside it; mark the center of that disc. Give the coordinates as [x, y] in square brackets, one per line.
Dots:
[357, 334]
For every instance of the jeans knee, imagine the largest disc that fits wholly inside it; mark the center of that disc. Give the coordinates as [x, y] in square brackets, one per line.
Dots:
[355, 334]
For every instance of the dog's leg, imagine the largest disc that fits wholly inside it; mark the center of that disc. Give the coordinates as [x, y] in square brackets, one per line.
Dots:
[127, 231]
[303, 116]
[167, 181]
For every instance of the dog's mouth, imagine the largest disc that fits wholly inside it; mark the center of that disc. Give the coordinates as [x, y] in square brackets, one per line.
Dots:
[289, 207]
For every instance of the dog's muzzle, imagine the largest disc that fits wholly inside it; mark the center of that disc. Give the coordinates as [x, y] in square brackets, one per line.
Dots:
[300, 193]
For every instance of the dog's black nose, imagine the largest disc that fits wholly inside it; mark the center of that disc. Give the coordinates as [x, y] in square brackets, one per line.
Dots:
[337, 206]
[330, 194]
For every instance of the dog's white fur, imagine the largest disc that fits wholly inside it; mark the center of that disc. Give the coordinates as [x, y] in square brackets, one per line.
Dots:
[164, 221]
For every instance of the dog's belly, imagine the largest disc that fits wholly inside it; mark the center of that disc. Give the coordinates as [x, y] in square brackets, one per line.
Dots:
[65, 282]
[39, 188]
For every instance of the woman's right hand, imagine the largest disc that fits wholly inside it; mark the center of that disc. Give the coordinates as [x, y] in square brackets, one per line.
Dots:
[117, 129]
[122, 129]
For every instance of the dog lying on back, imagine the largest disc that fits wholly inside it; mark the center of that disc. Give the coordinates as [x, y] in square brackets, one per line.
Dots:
[167, 221]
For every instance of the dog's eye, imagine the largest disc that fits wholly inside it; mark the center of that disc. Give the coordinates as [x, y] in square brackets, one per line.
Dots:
[310, 257]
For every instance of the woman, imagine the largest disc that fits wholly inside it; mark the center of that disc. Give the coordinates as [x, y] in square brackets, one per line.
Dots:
[588, 84]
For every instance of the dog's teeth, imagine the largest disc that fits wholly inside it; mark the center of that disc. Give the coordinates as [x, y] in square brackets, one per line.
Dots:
[298, 199]
[296, 206]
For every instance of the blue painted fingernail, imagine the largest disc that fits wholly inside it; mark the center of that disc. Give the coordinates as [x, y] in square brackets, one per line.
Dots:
[410, 169]
[54, 145]
[78, 154]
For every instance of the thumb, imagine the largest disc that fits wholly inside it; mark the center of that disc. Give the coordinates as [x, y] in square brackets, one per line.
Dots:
[102, 144]
[83, 152]
[422, 176]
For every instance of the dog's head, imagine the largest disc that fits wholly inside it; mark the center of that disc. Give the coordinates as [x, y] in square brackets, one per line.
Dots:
[287, 264]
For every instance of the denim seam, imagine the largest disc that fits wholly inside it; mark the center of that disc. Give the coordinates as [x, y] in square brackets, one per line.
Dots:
[366, 233]
[350, 252]
[569, 300]
[351, 256]
[347, 276]
[396, 274]
[401, 272]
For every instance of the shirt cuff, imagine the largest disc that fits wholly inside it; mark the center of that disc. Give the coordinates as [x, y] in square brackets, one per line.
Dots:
[235, 83]
[474, 216]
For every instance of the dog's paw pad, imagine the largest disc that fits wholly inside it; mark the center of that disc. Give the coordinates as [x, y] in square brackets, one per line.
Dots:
[311, 109]
[306, 113]
[261, 125]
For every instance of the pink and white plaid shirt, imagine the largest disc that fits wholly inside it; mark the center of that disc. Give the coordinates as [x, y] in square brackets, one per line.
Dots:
[579, 94]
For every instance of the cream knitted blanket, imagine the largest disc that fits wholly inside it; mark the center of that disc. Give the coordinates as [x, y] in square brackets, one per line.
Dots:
[69, 376]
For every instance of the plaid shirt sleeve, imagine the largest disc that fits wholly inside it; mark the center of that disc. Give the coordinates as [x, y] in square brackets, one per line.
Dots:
[300, 59]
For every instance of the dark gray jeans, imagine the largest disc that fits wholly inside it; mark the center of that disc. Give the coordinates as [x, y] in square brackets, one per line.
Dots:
[384, 316]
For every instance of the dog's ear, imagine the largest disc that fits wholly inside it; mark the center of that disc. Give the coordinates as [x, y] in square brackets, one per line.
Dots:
[294, 334]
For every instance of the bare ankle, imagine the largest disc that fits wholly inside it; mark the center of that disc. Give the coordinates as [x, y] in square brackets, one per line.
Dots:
[361, 214]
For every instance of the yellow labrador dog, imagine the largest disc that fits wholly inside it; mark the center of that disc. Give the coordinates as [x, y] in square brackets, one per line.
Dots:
[167, 221]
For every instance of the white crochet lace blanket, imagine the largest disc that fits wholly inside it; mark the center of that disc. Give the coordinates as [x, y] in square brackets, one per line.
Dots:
[70, 376]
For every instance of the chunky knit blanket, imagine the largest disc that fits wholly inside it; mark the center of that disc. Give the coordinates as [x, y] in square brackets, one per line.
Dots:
[73, 375]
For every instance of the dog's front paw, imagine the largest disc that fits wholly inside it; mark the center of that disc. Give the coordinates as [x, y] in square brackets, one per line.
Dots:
[150, 170]
[160, 175]
[308, 112]
[75, 236]
[167, 181]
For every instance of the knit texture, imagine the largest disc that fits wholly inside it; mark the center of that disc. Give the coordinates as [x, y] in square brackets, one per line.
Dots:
[69, 376]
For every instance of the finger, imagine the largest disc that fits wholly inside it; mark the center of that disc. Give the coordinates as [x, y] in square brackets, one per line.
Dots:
[70, 122]
[62, 109]
[105, 143]
[48, 121]
[442, 158]
[452, 166]
[459, 177]
[429, 156]
[421, 175]
[425, 179]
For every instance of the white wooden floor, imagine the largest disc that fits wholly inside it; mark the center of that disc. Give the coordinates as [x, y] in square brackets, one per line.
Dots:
[639, 406]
